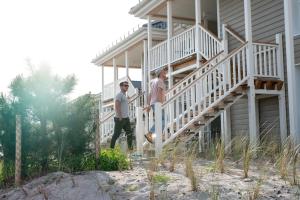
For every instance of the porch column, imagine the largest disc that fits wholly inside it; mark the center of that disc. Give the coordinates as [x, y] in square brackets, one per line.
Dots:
[149, 51]
[145, 73]
[115, 77]
[281, 97]
[291, 71]
[253, 132]
[126, 64]
[102, 85]
[197, 32]
[226, 115]
[170, 34]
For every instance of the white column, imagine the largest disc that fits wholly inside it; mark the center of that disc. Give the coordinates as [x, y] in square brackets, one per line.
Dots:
[218, 19]
[197, 32]
[170, 34]
[145, 75]
[149, 49]
[250, 70]
[115, 77]
[102, 85]
[126, 64]
[291, 71]
[281, 97]
[201, 140]
[139, 130]
[158, 129]
[226, 126]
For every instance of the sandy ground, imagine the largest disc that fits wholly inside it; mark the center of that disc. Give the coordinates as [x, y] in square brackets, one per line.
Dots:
[134, 184]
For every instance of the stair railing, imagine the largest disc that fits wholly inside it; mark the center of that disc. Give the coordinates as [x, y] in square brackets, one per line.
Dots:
[212, 91]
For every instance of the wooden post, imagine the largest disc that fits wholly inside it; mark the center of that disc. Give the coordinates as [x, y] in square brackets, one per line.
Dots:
[250, 72]
[18, 151]
[97, 132]
[158, 129]
[139, 132]
[281, 97]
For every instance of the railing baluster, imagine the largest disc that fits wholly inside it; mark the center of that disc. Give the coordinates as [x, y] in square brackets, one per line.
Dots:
[265, 61]
[270, 61]
[274, 62]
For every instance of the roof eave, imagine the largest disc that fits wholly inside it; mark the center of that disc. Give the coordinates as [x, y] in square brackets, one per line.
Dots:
[132, 40]
[142, 9]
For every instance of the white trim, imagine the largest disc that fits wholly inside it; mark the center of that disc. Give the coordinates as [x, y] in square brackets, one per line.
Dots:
[149, 48]
[290, 60]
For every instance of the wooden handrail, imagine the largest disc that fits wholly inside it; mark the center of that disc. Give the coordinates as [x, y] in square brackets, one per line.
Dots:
[266, 44]
[210, 33]
[209, 70]
[193, 72]
[235, 34]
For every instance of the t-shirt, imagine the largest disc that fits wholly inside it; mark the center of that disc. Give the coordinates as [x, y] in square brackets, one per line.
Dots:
[121, 97]
[155, 85]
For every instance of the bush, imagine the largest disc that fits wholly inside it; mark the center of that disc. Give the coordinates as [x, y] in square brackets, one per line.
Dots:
[113, 159]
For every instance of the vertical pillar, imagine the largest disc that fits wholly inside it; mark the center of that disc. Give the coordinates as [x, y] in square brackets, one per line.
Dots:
[158, 129]
[291, 71]
[102, 85]
[126, 64]
[149, 49]
[139, 130]
[201, 140]
[197, 32]
[18, 151]
[219, 19]
[115, 77]
[250, 72]
[226, 129]
[170, 33]
[145, 75]
[281, 97]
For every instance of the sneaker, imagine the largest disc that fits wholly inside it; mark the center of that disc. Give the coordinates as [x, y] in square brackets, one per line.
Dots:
[148, 136]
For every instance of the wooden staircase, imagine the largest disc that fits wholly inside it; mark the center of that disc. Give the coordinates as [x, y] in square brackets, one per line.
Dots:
[203, 95]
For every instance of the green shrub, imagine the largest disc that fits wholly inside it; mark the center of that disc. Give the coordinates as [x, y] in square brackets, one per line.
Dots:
[161, 179]
[113, 159]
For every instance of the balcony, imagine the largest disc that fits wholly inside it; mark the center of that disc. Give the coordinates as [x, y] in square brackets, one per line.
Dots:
[185, 45]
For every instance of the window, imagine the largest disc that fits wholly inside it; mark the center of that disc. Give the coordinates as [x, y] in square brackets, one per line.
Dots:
[296, 17]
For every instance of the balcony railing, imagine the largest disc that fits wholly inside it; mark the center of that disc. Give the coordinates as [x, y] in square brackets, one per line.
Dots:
[183, 45]
[266, 59]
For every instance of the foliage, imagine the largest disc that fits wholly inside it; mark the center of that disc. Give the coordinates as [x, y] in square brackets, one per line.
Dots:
[161, 179]
[56, 133]
[113, 159]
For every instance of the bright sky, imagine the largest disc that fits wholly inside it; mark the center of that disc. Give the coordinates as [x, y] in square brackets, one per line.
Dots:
[63, 34]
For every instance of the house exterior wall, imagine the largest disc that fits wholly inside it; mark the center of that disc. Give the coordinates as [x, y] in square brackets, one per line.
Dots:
[268, 115]
[297, 50]
[239, 118]
[267, 21]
